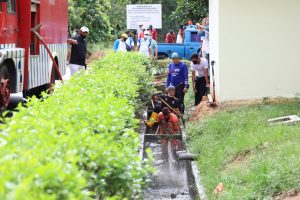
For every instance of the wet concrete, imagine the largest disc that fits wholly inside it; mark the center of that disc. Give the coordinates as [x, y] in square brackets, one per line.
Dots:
[173, 178]
[170, 181]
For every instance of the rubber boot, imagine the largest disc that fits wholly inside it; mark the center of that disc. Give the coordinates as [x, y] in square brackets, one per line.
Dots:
[152, 119]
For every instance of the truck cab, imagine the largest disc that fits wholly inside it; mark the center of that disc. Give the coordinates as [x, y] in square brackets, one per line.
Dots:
[192, 44]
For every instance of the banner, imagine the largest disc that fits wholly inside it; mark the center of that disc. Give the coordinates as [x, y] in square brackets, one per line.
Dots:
[148, 14]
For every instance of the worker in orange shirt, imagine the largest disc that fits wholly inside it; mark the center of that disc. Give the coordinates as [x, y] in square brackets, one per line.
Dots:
[168, 124]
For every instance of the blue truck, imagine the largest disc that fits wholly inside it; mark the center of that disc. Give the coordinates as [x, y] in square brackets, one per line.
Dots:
[192, 44]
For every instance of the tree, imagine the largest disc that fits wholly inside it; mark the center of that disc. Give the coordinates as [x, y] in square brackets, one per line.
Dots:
[92, 14]
[108, 17]
[190, 10]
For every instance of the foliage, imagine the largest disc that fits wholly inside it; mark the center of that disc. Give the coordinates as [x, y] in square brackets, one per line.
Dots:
[130, 63]
[92, 14]
[107, 17]
[190, 10]
[79, 143]
[252, 159]
[160, 67]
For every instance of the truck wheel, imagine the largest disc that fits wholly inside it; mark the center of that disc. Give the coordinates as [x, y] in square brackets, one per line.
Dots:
[4, 86]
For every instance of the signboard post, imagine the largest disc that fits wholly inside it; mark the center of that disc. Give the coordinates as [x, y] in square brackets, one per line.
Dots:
[148, 14]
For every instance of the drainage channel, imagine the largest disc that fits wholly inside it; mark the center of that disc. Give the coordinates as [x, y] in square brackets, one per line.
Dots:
[175, 179]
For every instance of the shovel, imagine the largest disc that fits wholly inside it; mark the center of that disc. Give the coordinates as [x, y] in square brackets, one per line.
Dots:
[212, 98]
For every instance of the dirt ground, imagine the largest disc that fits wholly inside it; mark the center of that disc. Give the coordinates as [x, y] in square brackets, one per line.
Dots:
[94, 56]
[290, 195]
[90, 56]
[203, 110]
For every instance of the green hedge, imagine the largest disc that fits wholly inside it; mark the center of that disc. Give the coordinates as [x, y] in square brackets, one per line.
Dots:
[79, 143]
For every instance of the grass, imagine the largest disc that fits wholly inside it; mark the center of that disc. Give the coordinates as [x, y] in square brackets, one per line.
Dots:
[101, 46]
[252, 160]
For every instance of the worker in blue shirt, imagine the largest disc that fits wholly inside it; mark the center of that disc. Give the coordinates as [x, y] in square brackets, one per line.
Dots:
[178, 77]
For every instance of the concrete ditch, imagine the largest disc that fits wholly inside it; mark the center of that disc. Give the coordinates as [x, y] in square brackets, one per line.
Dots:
[176, 179]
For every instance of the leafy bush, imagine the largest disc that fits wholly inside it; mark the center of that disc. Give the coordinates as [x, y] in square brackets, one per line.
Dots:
[79, 143]
[160, 67]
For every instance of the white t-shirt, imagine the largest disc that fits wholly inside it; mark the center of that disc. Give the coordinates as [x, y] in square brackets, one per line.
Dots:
[199, 68]
[179, 39]
[144, 46]
[122, 46]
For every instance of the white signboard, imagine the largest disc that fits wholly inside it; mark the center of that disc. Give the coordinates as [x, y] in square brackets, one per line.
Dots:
[148, 14]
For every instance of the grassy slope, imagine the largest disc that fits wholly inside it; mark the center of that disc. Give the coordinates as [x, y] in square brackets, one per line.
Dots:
[252, 159]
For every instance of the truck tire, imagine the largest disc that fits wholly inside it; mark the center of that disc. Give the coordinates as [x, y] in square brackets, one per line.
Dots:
[4, 86]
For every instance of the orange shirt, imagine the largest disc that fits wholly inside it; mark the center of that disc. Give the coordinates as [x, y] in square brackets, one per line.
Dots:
[168, 127]
[141, 35]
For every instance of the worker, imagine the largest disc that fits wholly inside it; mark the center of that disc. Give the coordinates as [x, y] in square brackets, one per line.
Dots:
[168, 124]
[200, 76]
[120, 44]
[170, 37]
[178, 77]
[78, 51]
[161, 101]
[170, 100]
[144, 45]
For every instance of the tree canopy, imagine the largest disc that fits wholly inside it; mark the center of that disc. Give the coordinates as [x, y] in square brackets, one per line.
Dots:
[107, 18]
[92, 14]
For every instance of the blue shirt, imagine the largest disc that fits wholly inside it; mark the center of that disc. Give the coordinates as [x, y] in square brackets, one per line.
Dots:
[116, 44]
[178, 73]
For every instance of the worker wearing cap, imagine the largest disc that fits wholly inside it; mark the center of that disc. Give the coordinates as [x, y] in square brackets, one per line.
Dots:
[120, 44]
[170, 100]
[153, 32]
[78, 50]
[141, 35]
[178, 77]
[139, 30]
[144, 45]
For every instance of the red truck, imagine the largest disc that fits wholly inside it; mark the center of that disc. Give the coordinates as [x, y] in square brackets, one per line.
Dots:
[25, 64]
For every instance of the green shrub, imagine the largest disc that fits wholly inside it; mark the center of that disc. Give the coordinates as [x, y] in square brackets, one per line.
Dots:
[79, 143]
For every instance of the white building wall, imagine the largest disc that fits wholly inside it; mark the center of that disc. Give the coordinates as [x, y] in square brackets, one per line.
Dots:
[258, 48]
[214, 44]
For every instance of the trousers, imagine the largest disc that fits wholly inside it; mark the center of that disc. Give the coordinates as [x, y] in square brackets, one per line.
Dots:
[200, 85]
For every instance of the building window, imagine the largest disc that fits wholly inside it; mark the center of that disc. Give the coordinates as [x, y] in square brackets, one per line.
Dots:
[11, 6]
